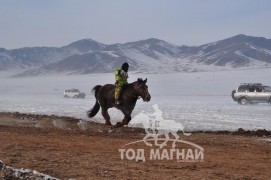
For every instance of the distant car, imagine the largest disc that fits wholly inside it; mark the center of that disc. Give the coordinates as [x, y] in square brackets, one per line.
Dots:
[252, 93]
[73, 93]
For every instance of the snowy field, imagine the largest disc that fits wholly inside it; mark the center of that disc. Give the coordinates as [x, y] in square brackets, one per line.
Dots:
[199, 100]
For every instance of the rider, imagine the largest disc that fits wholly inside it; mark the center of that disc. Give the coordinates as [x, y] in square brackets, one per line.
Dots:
[121, 76]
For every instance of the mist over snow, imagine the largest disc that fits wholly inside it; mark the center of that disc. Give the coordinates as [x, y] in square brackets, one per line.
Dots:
[198, 100]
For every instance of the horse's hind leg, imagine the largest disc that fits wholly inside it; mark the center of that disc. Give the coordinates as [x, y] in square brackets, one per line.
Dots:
[106, 116]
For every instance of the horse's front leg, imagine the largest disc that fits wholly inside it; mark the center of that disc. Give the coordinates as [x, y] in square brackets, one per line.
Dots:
[125, 121]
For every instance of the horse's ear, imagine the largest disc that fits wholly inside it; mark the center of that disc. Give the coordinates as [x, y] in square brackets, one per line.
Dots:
[140, 80]
[145, 81]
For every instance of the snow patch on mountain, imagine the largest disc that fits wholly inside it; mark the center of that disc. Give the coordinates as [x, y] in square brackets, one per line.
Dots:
[149, 56]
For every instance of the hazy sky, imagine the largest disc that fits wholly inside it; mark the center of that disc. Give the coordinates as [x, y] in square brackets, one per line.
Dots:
[182, 22]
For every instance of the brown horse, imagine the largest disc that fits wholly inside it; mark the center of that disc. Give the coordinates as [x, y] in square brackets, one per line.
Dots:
[105, 97]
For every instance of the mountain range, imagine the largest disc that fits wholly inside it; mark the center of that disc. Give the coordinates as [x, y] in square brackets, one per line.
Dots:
[148, 56]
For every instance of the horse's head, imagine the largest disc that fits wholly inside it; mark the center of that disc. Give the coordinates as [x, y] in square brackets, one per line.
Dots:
[142, 89]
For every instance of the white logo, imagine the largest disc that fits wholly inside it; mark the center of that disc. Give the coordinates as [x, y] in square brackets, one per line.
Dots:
[158, 131]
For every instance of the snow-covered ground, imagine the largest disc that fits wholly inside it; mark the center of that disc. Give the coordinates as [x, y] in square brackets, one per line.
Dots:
[199, 100]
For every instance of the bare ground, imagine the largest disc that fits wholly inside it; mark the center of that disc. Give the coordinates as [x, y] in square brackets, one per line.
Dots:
[65, 148]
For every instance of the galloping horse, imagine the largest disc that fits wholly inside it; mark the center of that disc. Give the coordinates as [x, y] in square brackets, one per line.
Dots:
[105, 99]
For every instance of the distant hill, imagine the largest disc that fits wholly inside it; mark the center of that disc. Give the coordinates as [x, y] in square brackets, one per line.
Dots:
[150, 55]
[237, 51]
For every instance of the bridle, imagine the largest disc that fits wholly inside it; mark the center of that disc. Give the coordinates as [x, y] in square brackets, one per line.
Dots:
[141, 93]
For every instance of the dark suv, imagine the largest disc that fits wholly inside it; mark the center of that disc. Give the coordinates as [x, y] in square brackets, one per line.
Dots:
[252, 93]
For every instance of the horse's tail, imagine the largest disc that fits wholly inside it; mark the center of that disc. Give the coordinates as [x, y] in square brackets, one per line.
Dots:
[95, 109]
[96, 89]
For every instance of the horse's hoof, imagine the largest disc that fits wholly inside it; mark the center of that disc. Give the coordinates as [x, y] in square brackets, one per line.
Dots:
[125, 122]
[119, 124]
[111, 131]
[108, 124]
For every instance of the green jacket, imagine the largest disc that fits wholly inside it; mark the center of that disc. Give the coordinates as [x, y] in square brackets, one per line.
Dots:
[121, 76]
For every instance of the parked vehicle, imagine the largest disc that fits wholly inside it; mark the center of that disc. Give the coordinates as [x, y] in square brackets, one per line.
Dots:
[73, 93]
[252, 93]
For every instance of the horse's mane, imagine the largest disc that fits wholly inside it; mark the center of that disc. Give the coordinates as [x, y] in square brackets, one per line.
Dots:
[126, 86]
[139, 80]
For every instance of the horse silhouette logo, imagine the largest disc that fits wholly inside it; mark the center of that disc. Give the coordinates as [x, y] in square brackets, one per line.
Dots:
[158, 129]
[160, 133]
